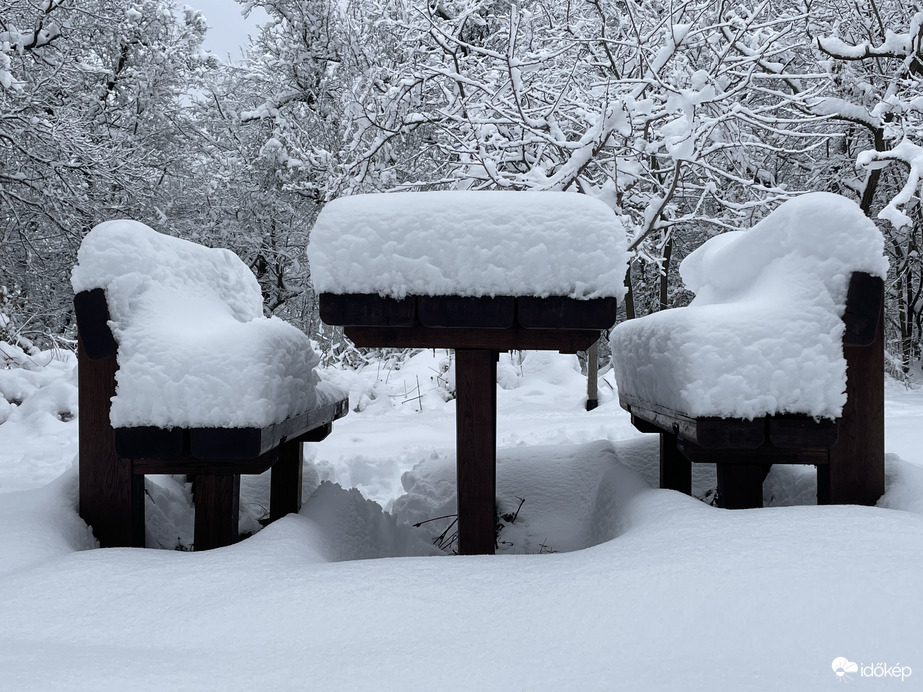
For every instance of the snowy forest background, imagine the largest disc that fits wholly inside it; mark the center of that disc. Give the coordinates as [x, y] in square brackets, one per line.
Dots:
[688, 118]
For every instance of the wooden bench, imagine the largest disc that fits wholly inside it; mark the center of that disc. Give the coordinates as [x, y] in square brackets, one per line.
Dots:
[113, 462]
[848, 451]
[207, 385]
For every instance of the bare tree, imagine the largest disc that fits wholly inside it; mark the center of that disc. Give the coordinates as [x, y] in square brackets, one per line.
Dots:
[875, 60]
[90, 101]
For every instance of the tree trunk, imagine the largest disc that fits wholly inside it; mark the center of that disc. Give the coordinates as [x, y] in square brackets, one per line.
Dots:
[629, 296]
[665, 272]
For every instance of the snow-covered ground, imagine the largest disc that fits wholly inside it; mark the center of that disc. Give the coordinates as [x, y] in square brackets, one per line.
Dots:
[602, 581]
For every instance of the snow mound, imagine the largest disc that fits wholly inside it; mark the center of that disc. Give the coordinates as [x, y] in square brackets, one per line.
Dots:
[42, 524]
[38, 409]
[194, 347]
[764, 333]
[354, 528]
[469, 243]
[33, 384]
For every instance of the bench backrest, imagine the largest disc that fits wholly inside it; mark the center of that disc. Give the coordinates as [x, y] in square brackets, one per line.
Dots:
[186, 323]
[127, 258]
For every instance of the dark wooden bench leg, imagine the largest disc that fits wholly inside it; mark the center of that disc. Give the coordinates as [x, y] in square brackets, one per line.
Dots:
[675, 469]
[740, 486]
[217, 503]
[111, 496]
[285, 481]
[476, 450]
[856, 471]
[287, 473]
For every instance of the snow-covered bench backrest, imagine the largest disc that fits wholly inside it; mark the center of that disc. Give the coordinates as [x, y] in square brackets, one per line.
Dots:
[804, 251]
[194, 349]
[128, 259]
[764, 334]
[469, 243]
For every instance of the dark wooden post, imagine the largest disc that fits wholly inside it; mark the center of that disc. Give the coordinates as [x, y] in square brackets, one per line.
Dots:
[592, 376]
[675, 469]
[856, 472]
[285, 481]
[111, 496]
[476, 449]
[217, 504]
[740, 486]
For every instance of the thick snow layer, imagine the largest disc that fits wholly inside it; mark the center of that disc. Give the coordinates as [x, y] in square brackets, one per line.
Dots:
[659, 591]
[38, 393]
[194, 347]
[469, 243]
[764, 332]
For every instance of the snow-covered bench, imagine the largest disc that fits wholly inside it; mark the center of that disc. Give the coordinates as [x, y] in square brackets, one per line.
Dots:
[180, 372]
[778, 359]
[478, 272]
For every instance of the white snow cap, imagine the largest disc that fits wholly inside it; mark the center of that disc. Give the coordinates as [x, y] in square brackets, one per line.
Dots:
[764, 333]
[194, 347]
[469, 243]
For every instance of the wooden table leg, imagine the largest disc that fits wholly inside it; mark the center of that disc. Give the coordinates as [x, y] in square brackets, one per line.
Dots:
[476, 449]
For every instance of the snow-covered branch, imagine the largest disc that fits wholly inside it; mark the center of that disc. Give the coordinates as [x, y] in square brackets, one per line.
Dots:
[911, 155]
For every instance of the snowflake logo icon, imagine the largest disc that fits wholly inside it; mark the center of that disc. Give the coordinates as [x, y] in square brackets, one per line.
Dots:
[843, 666]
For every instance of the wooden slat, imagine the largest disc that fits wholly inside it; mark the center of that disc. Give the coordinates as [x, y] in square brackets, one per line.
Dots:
[795, 432]
[557, 312]
[717, 433]
[464, 312]
[221, 443]
[304, 423]
[765, 454]
[230, 443]
[720, 433]
[150, 442]
[497, 312]
[644, 426]
[214, 467]
[316, 435]
[563, 340]
[363, 309]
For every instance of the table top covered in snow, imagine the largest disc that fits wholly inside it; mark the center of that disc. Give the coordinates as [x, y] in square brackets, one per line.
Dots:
[469, 243]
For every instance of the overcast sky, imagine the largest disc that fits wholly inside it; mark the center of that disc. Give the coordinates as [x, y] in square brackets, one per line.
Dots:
[227, 29]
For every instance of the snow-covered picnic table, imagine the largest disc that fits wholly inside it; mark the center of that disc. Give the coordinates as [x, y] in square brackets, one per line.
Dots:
[478, 272]
[180, 372]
